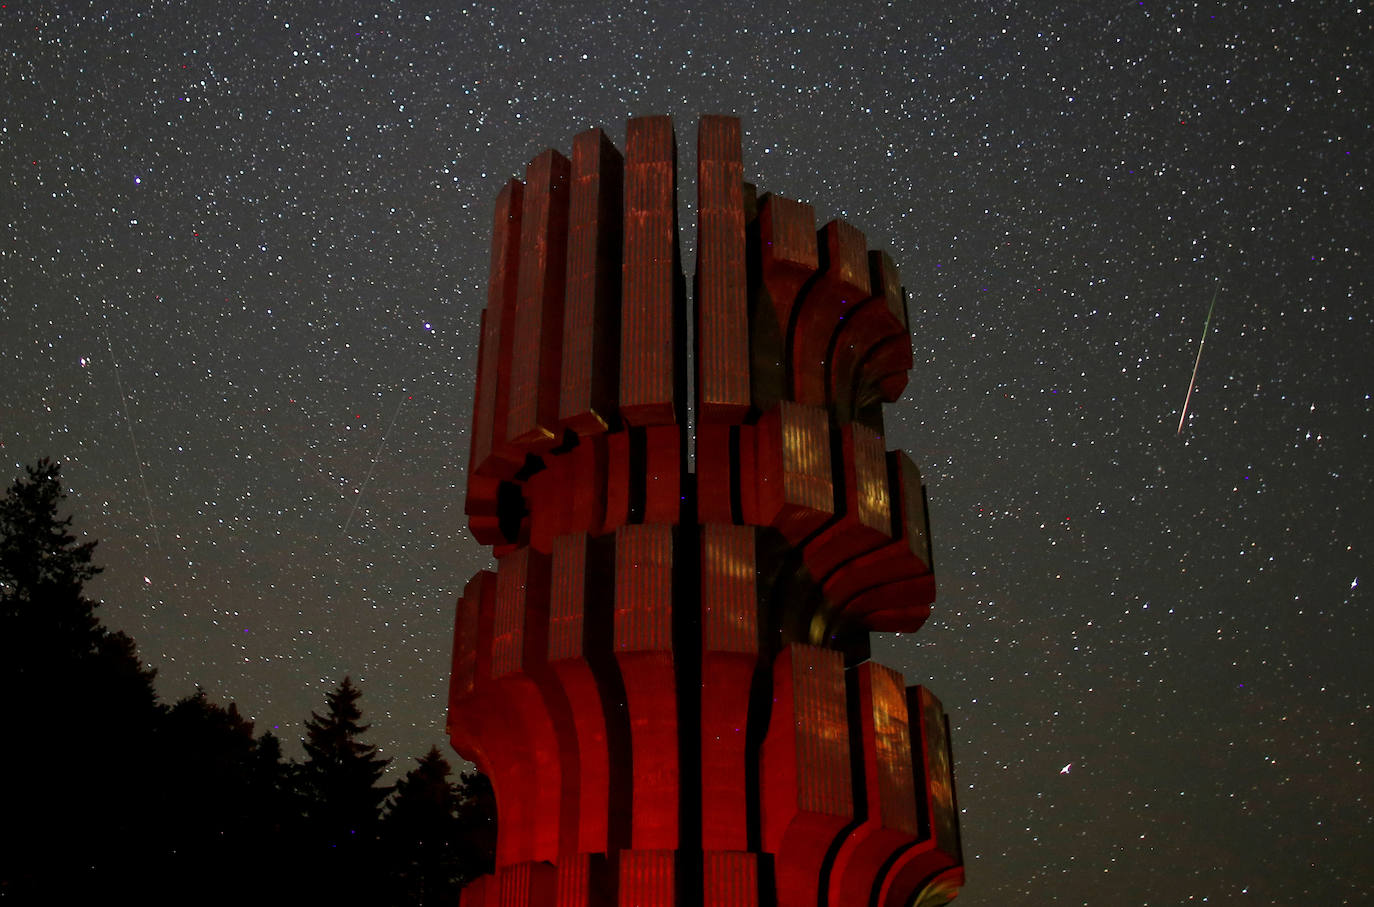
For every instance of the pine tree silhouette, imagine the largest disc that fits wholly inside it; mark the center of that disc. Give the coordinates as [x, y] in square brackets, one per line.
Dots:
[43, 571]
[83, 701]
[342, 799]
[222, 800]
[113, 794]
[478, 814]
[422, 833]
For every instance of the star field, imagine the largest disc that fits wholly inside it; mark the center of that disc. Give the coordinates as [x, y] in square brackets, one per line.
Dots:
[242, 265]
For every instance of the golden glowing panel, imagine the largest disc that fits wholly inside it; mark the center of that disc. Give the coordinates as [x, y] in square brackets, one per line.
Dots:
[822, 727]
[939, 774]
[729, 599]
[870, 479]
[896, 793]
[937, 893]
[806, 456]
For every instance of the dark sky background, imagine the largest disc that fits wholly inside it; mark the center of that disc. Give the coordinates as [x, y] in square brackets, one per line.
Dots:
[243, 261]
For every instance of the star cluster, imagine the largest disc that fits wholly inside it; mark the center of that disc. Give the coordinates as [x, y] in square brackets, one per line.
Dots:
[244, 253]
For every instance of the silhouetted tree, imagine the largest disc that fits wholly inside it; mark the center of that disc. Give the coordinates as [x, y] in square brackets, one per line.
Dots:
[422, 835]
[80, 695]
[478, 813]
[48, 628]
[342, 799]
[40, 562]
[271, 782]
[222, 799]
[113, 794]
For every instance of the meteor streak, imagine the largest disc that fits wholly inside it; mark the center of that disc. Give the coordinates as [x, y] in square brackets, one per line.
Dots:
[357, 500]
[1183, 415]
[133, 441]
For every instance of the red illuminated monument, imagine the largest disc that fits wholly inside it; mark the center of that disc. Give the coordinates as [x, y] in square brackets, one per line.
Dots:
[667, 676]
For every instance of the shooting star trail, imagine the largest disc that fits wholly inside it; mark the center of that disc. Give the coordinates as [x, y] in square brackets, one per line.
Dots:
[1183, 415]
[138, 458]
[373, 468]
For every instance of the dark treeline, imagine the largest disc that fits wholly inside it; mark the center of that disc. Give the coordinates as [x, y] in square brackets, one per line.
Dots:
[112, 792]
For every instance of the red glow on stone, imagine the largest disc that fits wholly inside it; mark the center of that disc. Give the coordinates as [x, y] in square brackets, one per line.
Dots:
[666, 675]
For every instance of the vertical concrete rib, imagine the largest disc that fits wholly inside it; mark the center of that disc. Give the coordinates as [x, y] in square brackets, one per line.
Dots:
[647, 877]
[649, 352]
[577, 597]
[489, 408]
[729, 657]
[538, 324]
[532, 739]
[807, 799]
[722, 301]
[591, 314]
[730, 879]
[644, 651]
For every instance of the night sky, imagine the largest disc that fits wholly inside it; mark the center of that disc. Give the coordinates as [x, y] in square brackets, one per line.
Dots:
[244, 256]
